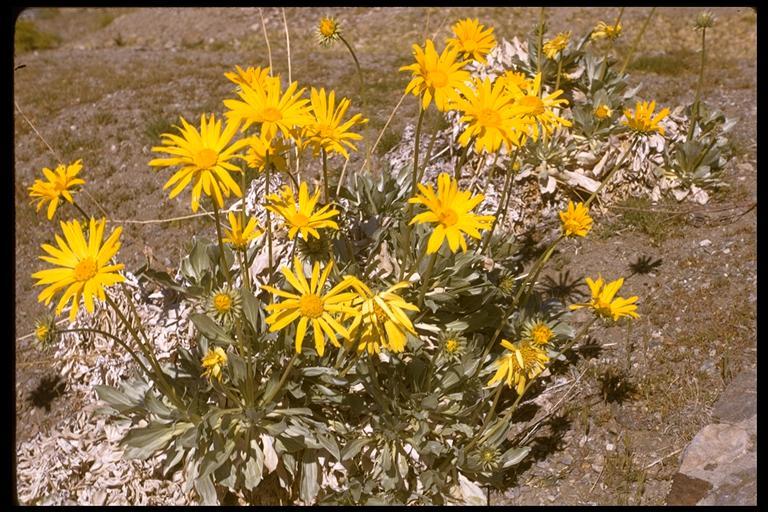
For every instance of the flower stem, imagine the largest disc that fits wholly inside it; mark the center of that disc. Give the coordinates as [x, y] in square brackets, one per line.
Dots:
[462, 160]
[541, 40]
[357, 64]
[82, 212]
[700, 85]
[636, 41]
[326, 198]
[162, 382]
[118, 340]
[559, 70]
[217, 221]
[425, 278]
[417, 140]
[502, 201]
[283, 379]
[269, 222]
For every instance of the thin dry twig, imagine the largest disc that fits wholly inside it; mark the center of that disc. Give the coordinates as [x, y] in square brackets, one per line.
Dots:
[266, 38]
[287, 44]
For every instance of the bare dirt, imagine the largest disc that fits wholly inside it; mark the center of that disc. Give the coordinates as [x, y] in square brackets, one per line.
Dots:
[629, 403]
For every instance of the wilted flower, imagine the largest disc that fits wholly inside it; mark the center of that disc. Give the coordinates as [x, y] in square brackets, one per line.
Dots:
[523, 363]
[705, 19]
[328, 30]
[603, 112]
[45, 330]
[213, 361]
[556, 45]
[604, 31]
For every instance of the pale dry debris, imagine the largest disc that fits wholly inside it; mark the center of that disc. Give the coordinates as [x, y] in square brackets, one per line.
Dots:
[78, 461]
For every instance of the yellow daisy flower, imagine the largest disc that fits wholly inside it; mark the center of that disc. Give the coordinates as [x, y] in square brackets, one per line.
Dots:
[641, 121]
[240, 237]
[203, 157]
[328, 30]
[45, 330]
[263, 151]
[224, 304]
[58, 186]
[604, 31]
[252, 77]
[382, 321]
[81, 266]
[299, 215]
[538, 332]
[472, 39]
[450, 209]
[490, 117]
[309, 305]
[523, 363]
[556, 45]
[213, 361]
[576, 220]
[603, 112]
[436, 76]
[538, 109]
[270, 108]
[326, 130]
[514, 80]
[604, 303]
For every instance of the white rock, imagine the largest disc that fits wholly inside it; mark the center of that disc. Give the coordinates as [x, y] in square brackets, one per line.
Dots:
[705, 243]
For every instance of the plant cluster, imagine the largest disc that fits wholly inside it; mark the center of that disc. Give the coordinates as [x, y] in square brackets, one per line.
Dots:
[381, 357]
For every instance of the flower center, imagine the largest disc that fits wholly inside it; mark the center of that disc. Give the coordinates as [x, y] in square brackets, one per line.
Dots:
[381, 316]
[488, 456]
[222, 302]
[300, 220]
[85, 270]
[311, 305]
[206, 158]
[325, 131]
[489, 117]
[533, 105]
[41, 332]
[271, 114]
[470, 45]
[60, 185]
[327, 27]
[542, 334]
[447, 217]
[437, 78]
[451, 345]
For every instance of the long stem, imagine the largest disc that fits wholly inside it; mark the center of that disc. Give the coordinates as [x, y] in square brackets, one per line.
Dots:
[559, 70]
[417, 140]
[462, 159]
[425, 278]
[541, 40]
[636, 41]
[700, 85]
[504, 193]
[217, 221]
[244, 253]
[118, 340]
[269, 222]
[281, 383]
[167, 389]
[325, 176]
[357, 64]
[381, 133]
[82, 212]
